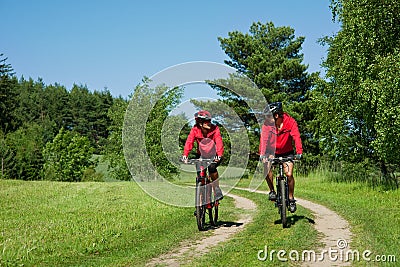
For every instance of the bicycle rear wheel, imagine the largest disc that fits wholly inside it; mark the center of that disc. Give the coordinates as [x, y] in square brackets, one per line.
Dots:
[283, 206]
[200, 206]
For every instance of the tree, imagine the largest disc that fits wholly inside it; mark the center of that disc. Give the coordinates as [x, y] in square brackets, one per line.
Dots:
[87, 114]
[270, 56]
[6, 159]
[67, 157]
[142, 130]
[362, 92]
[99, 120]
[113, 150]
[155, 131]
[25, 145]
[8, 93]
[80, 105]
[56, 105]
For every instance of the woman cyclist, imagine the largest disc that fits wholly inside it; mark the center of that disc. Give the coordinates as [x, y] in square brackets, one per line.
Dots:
[209, 145]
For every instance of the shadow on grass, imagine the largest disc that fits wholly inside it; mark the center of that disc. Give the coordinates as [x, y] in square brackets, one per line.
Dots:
[292, 220]
[221, 224]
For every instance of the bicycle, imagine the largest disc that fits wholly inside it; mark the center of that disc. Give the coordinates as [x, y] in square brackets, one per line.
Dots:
[205, 196]
[282, 188]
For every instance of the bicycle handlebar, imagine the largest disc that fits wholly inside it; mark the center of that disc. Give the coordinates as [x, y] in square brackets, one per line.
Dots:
[200, 160]
[281, 160]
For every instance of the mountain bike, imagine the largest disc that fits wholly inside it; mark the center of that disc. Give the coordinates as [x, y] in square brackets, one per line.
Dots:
[282, 188]
[205, 197]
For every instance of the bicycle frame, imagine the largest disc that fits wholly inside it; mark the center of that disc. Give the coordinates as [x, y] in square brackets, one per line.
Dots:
[204, 180]
[282, 188]
[205, 201]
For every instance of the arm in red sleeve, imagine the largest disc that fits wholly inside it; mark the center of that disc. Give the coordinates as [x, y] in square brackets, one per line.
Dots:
[218, 142]
[296, 137]
[189, 142]
[267, 141]
[263, 141]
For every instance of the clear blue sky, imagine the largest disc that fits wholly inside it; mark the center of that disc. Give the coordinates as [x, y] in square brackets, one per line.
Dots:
[114, 44]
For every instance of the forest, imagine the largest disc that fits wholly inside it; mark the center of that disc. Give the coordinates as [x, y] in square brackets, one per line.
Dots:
[348, 117]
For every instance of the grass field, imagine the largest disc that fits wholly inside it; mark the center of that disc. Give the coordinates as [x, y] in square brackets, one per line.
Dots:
[374, 214]
[85, 224]
[117, 224]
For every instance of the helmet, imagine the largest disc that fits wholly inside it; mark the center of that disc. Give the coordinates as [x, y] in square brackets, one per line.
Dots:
[202, 115]
[275, 108]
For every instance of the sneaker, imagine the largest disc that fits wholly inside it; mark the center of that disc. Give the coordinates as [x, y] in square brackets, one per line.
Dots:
[218, 193]
[292, 205]
[272, 196]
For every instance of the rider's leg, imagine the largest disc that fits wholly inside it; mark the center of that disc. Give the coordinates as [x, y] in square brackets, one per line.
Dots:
[289, 175]
[212, 170]
[269, 177]
[214, 177]
[270, 180]
[215, 183]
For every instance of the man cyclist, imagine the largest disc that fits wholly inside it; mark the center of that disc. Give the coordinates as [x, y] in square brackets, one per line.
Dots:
[280, 131]
[209, 145]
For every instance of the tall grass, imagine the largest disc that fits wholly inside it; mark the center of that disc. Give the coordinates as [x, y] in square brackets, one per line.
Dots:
[366, 172]
[264, 233]
[116, 224]
[87, 224]
[373, 213]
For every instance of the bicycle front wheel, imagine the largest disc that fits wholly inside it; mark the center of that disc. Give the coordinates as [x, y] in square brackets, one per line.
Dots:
[215, 213]
[283, 206]
[200, 206]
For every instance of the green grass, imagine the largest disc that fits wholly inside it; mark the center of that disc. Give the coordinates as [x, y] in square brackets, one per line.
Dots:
[117, 224]
[264, 231]
[87, 224]
[374, 214]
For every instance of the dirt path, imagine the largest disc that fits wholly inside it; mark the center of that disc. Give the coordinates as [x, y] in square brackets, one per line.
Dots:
[186, 250]
[334, 231]
[336, 235]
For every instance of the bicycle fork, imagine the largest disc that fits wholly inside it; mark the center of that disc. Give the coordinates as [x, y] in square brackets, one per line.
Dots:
[279, 179]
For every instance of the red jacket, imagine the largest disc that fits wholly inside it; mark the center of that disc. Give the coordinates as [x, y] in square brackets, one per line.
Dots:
[207, 146]
[281, 142]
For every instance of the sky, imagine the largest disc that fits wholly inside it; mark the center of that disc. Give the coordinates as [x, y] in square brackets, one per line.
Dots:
[115, 44]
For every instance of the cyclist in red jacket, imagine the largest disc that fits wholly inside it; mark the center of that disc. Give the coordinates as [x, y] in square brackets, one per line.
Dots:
[209, 145]
[280, 136]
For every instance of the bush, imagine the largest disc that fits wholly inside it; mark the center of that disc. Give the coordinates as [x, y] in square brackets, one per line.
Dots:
[90, 175]
[67, 157]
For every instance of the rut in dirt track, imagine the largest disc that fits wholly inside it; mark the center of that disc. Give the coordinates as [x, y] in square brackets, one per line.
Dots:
[336, 235]
[330, 225]
[187, 250]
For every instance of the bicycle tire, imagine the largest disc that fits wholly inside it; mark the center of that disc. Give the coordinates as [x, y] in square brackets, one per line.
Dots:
[200, 207]
[210, 216]
[213, 212]
[215, 215]
[283, 206]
